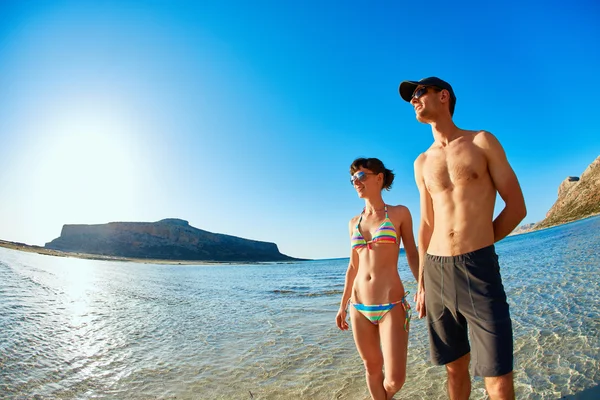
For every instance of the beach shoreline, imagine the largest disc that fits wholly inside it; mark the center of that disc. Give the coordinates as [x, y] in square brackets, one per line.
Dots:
[86, 256]
[533, 229]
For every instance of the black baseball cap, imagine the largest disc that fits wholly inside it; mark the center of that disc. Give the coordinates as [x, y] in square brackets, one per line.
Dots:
[407, 88]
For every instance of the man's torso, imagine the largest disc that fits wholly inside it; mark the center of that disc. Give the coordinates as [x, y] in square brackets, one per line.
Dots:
[463, 196]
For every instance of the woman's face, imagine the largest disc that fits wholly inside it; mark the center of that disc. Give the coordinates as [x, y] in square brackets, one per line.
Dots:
[366, 182]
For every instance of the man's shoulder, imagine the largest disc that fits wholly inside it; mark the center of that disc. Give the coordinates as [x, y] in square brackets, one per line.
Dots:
[474, 134]
[485, 139]
[422, 157]
[481, 135]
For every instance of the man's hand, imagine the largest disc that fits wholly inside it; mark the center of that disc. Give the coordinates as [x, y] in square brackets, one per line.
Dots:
[420, 300]
[340, 319]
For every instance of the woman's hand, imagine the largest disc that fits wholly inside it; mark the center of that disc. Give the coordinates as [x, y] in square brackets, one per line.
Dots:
[340, 319]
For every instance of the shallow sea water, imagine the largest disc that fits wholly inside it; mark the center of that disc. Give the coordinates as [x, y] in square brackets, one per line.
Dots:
[85, 329]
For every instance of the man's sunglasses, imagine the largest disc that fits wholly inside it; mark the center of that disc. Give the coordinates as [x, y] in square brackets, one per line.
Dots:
[360, 176]
[421, 91]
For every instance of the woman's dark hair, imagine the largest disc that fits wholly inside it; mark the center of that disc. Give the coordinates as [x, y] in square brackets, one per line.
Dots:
[374, 165]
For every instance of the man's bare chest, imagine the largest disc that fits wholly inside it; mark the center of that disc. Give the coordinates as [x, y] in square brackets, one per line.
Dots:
[446, 170]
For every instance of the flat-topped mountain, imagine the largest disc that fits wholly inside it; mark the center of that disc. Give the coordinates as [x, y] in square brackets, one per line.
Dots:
[167, 239]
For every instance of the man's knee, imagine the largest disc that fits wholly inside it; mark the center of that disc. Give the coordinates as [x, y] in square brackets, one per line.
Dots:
[500, 387]
[459, 369]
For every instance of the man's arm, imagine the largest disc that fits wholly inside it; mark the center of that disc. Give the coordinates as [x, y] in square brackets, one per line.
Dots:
[425, 231]
[506, 184]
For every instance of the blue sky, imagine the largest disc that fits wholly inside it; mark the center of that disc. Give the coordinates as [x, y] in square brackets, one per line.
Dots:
[243, 117]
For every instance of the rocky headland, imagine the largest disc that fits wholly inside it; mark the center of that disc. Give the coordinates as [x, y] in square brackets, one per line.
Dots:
[578, 198]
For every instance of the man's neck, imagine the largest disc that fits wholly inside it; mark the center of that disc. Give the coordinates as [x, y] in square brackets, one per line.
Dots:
[444, 131]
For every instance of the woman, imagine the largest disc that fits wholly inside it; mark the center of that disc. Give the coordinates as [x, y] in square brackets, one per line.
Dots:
[373, 290]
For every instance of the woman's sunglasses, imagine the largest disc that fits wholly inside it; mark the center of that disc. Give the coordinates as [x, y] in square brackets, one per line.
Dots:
[360, 176]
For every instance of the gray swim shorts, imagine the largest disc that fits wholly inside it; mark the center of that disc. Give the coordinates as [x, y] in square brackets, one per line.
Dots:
[466, 291]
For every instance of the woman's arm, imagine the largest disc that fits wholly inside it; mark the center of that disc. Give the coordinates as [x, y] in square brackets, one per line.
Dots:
[408, 238]
[348, 284]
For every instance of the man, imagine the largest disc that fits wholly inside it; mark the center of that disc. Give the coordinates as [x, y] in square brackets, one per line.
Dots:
[459, 280]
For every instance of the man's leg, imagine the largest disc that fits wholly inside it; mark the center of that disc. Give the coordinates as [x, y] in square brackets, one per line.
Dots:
[500, 387]
[448, 333]
[459, 380]
[487, 312]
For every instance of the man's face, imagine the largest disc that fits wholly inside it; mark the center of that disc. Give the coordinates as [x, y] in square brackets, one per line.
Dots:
[425, 103]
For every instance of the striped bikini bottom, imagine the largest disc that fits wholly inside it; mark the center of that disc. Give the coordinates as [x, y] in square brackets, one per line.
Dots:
[376, 312]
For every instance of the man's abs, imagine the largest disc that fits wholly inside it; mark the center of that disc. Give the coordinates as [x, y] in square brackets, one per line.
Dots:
[463, 220]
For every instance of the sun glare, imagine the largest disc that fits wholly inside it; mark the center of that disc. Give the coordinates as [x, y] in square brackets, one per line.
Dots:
[87, 167]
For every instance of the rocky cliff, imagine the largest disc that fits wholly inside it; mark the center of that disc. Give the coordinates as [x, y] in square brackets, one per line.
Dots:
[168, 239]
[523, 229]
[577, 198]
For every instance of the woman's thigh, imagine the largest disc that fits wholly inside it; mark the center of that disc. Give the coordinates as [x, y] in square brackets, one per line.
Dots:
[366, 337]
[394, 341]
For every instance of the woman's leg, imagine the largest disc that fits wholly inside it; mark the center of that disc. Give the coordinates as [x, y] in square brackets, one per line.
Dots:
[394, 344]
[366, 337]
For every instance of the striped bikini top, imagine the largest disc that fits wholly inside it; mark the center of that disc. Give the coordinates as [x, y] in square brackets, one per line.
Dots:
[386, 233]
